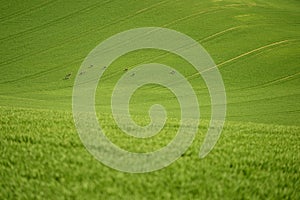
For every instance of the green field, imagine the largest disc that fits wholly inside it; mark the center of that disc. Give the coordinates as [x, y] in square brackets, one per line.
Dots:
[256, 46]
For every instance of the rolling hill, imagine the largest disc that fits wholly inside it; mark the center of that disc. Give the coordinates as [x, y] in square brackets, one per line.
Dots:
[255, 45]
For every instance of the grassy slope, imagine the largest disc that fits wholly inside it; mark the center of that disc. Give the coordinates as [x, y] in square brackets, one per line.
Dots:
[41, 42]
[45, 158]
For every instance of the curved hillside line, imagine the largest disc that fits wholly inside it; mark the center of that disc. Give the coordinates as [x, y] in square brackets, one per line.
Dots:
[138, 12]
[263, 99]
[167, 53]
[172, 22]
[89, 8]
[152, 6]
[219, 33]
[210, 10]
[204, 40]
[71, 39]
[55, 47]
[43, 72]
[243, 55]
[21, 12]
[78, 60]
[252, 51]
[267, 84]
[240, 56]
[19, 57]
[281, 79]
[190, 16]
[12, 60]
[40, 27]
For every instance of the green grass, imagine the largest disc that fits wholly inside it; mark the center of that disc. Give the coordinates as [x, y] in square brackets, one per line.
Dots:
[44, 158]
[256, 45]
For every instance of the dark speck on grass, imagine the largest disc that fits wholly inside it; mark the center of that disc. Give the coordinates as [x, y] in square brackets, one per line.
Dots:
[68, 76]
[81, 73]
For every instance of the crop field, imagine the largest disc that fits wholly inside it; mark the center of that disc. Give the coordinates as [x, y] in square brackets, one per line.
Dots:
[256, 47]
